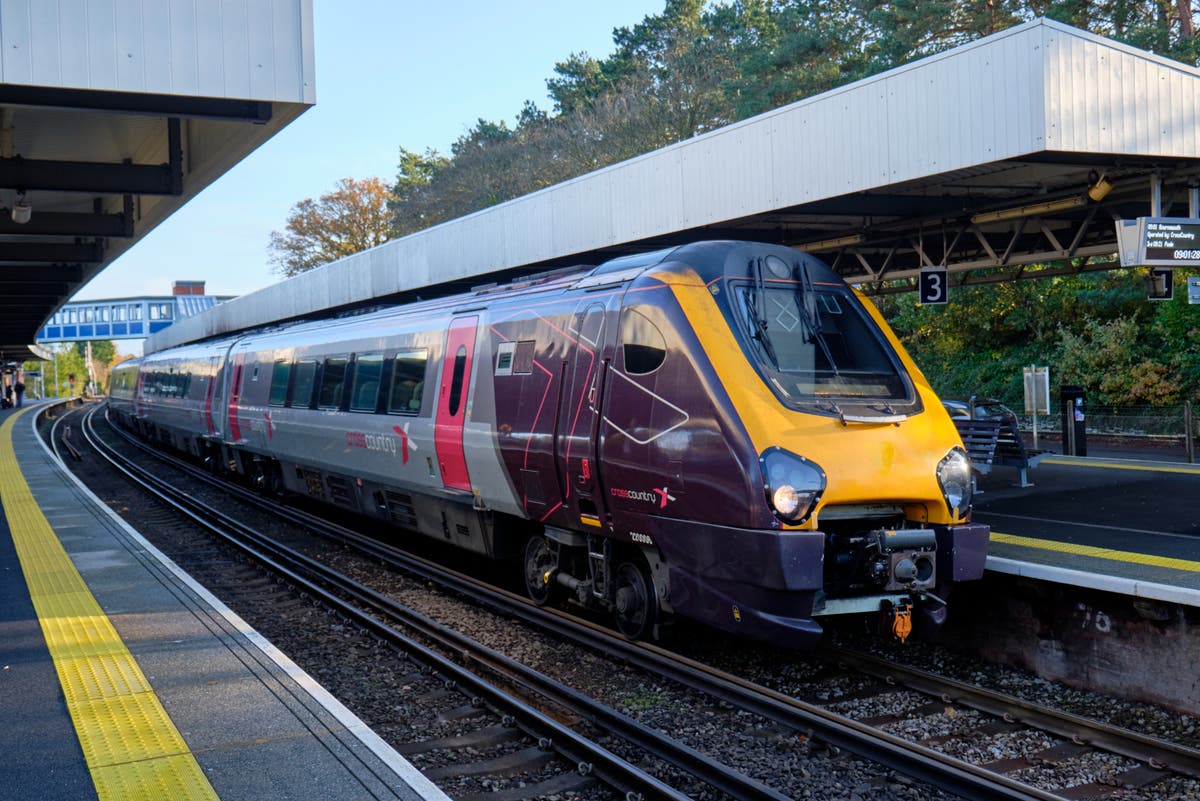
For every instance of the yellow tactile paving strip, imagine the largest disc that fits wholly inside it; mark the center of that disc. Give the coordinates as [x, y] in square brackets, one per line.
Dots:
[1098, 553]
[1127, 464]
[132, 748]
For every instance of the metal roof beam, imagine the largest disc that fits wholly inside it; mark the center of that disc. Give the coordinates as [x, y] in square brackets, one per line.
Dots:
[51, 223]
[83, 176]
[51, 251]
[56, 288]
[8, 301]
[104, 178]
[13, 274]
[254, 111]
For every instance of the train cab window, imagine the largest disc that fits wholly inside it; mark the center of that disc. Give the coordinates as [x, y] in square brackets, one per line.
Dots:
[302, 385]
[408, 381]
[819, 345]
[643, 344]
[280, 374]
[368, 370]
[333, 379]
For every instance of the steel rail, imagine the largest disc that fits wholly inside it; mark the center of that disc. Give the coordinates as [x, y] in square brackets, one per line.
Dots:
[1159, 754]
[589, 757]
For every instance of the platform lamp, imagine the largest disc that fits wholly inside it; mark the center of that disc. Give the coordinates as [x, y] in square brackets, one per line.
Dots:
[22, 212]
[1100, 187]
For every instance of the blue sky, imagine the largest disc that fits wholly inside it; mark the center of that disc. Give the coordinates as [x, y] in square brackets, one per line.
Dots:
[389, 73]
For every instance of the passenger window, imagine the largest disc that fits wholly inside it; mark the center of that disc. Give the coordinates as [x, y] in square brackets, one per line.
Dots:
[302, 385]
[332, 380]
[367, 372]
[279, 381]
[456, 382]
[408, 382]
[644, 345]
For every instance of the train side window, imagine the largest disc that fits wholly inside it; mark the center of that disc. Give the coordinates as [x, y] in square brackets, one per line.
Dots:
[333, 379]
[368, 370]
[644, 347]
[408, 382]
[302, 386]
[456, 380]
[280, 374]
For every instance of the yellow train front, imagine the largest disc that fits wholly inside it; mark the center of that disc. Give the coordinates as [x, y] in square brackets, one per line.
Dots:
[774, 452]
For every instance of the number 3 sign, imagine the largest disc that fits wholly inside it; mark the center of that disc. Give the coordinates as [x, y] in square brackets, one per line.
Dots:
[933, 286]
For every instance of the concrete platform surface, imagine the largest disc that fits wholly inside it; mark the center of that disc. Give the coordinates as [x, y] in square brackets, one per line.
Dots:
[1120, 524]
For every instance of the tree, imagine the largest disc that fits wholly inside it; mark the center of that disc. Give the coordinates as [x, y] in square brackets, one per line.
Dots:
[408, 204]
[351, 218]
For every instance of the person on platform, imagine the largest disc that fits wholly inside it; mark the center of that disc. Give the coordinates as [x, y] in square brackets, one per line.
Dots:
[8, 399]
[20, 392]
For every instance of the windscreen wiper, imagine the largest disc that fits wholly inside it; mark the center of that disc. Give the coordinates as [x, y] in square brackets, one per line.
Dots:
[758, 318]
[809, 315]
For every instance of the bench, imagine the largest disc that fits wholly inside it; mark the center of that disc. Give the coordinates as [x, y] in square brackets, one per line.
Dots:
[996, 442]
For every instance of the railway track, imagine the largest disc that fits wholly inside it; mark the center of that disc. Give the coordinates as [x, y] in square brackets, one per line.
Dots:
[1151, 763]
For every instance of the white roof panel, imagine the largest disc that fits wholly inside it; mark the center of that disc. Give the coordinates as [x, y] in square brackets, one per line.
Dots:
[244, 49]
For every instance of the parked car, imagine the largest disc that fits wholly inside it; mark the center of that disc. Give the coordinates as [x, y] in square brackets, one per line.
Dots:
[980, 409]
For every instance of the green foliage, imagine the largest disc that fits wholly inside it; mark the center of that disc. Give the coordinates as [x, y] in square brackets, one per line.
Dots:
[70, 360]
[1096, 330]
[103, 351]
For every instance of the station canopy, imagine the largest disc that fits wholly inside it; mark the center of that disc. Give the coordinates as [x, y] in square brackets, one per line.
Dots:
[1020, 148]
[112, 116]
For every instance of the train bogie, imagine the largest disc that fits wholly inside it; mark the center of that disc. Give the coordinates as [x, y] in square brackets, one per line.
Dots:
[724, 431]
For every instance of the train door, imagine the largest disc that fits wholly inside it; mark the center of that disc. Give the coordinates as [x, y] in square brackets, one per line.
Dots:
[209, 394]
[452, 403]
[579, 415]
[234, 432]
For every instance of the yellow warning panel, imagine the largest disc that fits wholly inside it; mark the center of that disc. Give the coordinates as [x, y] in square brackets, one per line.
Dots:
[1098, 553]
[132, 748]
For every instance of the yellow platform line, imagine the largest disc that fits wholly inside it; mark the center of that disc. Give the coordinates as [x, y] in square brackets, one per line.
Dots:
[1152, 467]
[132, 748]
[1098, 553]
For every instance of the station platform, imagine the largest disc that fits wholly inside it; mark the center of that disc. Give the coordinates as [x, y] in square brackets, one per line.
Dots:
[121, 678]
[1117, 520]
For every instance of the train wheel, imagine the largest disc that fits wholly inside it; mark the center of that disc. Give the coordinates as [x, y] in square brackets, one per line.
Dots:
[540, 562]
[635, 605]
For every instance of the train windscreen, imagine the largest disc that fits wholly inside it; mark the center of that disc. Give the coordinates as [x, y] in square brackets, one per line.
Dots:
[818, 344]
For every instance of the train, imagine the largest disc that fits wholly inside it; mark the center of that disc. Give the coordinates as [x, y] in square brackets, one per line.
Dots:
[722, 431]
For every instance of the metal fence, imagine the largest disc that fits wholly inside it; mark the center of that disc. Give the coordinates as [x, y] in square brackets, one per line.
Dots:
[1160, 426]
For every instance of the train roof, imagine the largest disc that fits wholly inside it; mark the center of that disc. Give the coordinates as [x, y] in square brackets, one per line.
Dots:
[711, 261]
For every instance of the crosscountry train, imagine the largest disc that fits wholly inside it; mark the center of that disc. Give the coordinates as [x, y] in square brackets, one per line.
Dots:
[724, 431]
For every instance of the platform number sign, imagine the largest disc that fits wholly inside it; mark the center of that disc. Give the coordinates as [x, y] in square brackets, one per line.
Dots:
[933, 286]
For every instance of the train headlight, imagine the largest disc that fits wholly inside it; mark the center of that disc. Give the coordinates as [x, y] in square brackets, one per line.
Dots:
[954, 477]
[793, 484]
